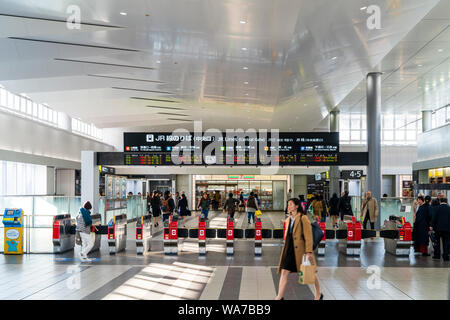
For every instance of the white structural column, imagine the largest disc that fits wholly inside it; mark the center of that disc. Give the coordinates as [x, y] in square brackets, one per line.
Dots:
[90, 179]
[334, 170]
[426, 120]
[373, 110]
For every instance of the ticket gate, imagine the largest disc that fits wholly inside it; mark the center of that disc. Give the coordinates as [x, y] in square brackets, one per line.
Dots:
[13, 238]
[117, 234]
[349, 235]
[98, 229]
[170, 233]
[258, 237]
[397, 234]
[144, 233]
[230, 236]
[63, 233]
[323, 242]
[201, 235]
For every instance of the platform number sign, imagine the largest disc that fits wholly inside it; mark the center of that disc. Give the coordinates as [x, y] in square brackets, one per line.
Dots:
[351, 174]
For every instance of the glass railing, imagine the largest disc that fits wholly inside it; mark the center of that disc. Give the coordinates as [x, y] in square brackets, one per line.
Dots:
[400, 207]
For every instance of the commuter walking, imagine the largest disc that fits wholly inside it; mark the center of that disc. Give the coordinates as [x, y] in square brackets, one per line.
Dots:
[241, 202]
[176, 199]
[252, 206]
[421, 226]
[257, 200]
[149, 202]
[317, 207]
[156, 207]
[334, 210]
[203, 204]
[369, 211]
[325, 212]
[440, 224]
[230, 205]
[167, 205]
[84, 223]
[183, 208]
[345, 207]
[299, 242]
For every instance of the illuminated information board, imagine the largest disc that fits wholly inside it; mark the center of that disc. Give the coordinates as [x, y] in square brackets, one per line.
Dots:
[157, 149]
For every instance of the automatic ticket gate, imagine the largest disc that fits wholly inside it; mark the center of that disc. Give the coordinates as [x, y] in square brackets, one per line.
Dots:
[13, 238]
[117, 234]
[397, 234]
[349, 235]
[170, 233]
[63, 233]
[98, 229]
[144, 233]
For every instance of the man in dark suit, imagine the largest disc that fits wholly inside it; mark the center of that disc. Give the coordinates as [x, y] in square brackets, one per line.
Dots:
[440, 223]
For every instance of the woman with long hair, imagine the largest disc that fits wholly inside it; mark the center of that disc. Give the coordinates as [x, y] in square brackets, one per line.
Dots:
[298, 242]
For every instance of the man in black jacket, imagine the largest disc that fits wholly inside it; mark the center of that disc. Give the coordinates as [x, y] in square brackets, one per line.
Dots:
[440, 223]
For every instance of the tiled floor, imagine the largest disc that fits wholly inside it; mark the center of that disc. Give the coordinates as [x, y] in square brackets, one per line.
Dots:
[216, 276]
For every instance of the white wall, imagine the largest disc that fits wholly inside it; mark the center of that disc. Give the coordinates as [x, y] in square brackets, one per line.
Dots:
[50, 180]
[65, 182]
[31, 137]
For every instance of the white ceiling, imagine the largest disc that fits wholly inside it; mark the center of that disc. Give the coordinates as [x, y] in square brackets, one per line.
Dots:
[290, 64]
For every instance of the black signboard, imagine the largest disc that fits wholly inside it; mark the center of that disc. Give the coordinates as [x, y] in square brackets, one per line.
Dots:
[154, 149]
[351, 174]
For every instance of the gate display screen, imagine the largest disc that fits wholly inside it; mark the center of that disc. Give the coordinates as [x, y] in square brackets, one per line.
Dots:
[154, 149]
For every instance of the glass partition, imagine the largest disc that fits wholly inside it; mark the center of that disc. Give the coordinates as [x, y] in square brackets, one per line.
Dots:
[400, 207]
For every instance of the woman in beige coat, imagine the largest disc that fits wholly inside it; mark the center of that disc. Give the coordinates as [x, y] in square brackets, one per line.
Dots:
[298, 241]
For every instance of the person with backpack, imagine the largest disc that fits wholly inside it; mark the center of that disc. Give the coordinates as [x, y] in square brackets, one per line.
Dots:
[252, 206]
[204, 204]
[167, 205]
[299, 241]
[156, 207]
[84, 223]
[230, 205]
[345, 207]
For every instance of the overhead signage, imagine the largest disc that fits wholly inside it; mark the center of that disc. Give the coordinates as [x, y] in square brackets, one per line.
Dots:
[235, 148]
[351, 174]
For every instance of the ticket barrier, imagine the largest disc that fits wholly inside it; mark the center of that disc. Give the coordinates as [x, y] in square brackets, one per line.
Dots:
[349, 235]
[13, 237]
[144, 233]
[397, 234]
[201, 235]
[170, 232]
[63, 233]
[98, 229]
[323, 242]
[230, 236]
[117, 234]
[258, 237]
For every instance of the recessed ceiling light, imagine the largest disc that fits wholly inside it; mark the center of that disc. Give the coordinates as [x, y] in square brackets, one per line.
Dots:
[440, 50]
[246, 94]
[243, 22]
[244, 49]
[245, 68]
[419, 65]
[157, 61]
[246, 82]
[123, 13]
[363, 8]
[334, 58]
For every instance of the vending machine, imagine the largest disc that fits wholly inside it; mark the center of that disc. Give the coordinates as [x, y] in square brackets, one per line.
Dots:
[13, 222]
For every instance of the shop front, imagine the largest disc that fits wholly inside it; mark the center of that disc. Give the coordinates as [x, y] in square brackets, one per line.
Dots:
[270, 189]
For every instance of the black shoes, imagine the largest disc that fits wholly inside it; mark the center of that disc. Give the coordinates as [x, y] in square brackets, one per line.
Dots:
[435, 258]
[425, 254]
[321, 296]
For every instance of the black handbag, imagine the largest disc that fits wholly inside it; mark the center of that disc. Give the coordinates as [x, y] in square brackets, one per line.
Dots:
[188, 212]
[433, 238]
